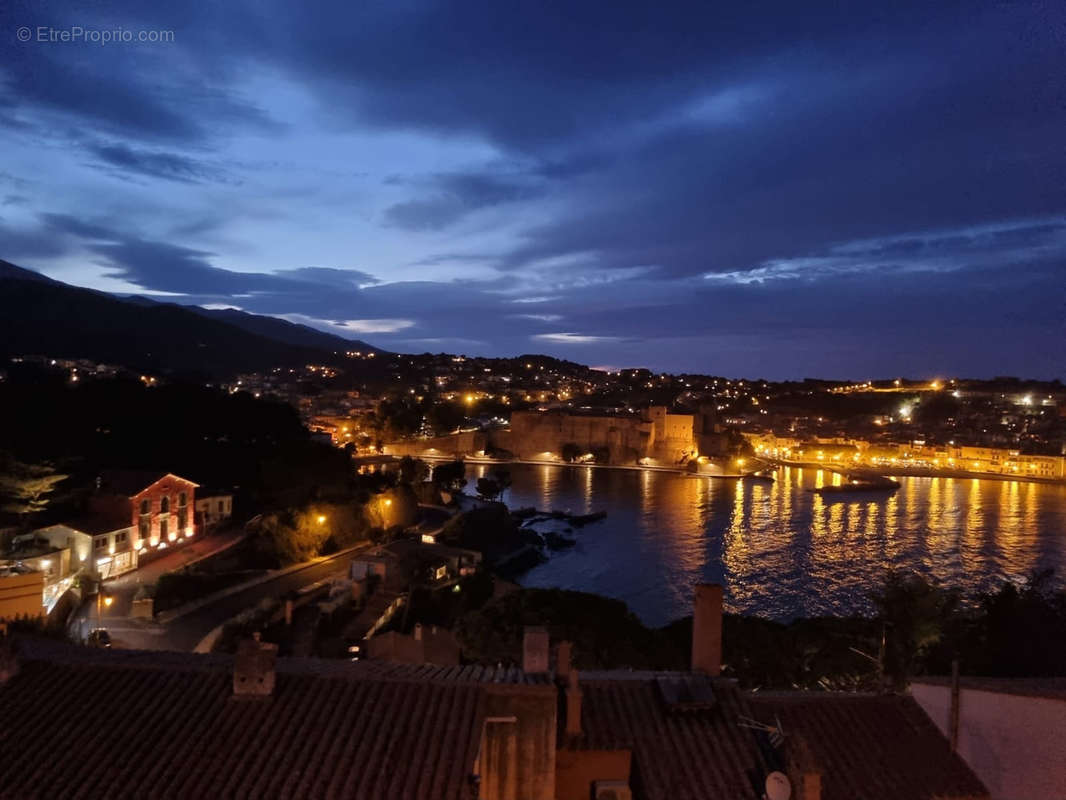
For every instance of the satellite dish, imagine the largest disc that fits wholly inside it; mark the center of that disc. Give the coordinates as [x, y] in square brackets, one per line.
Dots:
[778, 786]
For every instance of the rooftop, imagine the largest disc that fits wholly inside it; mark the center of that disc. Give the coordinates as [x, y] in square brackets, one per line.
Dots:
[154, 724]
[131, 482]
[167, 725]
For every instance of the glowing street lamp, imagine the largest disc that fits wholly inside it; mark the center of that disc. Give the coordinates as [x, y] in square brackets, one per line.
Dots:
[105, 600]
[321, 519]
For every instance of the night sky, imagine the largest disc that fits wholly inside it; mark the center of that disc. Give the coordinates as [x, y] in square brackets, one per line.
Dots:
[743, 189]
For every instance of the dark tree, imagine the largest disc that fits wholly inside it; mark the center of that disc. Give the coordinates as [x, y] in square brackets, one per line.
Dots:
[502, 477]
[571, 452]
[451, 476]
[488, 489]
[25, 488]
[413, 470]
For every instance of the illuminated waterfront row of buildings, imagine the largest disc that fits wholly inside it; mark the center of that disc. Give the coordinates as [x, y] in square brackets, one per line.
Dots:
[915, 455]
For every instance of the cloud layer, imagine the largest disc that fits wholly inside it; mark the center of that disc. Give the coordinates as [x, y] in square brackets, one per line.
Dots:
[840, 193]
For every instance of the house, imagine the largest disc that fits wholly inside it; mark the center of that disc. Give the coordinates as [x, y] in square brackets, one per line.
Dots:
[378, 610]
[49, 559]
[128, 512]
[1011, 731]
[78, 544]
[433, 563]
[259, 726]
[427, 644]
[21, 592]
[156, 506]
[212, 509]
[113, 537]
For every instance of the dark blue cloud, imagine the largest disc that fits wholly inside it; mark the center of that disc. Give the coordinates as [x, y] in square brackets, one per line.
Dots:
[769, 188]
[157, 164]
[445, 199]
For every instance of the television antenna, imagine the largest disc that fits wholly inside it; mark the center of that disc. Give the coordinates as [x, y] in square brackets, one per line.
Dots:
[776, 732]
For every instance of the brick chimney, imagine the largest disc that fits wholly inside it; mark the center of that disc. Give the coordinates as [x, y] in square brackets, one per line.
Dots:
[253, 669]
[535, 650]
[707, 630]
[573, 705]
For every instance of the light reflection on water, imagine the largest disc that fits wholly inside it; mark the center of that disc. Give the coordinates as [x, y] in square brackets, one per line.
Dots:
[781, 550]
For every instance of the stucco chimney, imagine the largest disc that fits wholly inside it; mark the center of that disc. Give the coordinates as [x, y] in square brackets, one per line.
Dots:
[802, 769]
[418, 631]
[563, 656]
[253, 669]
[707, 630]
[535, 650]
[9, 665]
[573, 705]
[810, 786]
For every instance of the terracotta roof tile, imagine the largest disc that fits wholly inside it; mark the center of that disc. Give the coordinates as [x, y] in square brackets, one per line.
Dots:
[677, 754]
[131, 482]
[162, 726]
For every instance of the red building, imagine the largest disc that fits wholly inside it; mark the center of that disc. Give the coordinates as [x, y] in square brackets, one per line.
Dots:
[158, 505]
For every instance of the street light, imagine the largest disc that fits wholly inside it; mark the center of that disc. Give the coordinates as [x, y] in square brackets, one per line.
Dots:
[106, 600]
[321, 519]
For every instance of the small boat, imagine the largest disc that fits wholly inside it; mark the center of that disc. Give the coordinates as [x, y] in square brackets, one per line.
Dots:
[854, 484]
[763, 476]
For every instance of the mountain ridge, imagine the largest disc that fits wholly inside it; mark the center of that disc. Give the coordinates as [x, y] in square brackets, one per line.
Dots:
[40, 315]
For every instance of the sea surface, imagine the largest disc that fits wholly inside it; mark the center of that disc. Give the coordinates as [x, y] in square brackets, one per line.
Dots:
[781, 550]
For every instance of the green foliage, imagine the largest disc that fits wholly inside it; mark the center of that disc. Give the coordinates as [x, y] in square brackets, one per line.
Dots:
[413, 470]
[25, 488]
[502, 476]
[605, 633]
[451, 476]
[488, 489]
[398, 417]
[571, 452]
[601, 454]
[1016, 631]
[295, 536]
[736, 446]
[914, 613]
[444, 417]
[489, 529]
[210, 436]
